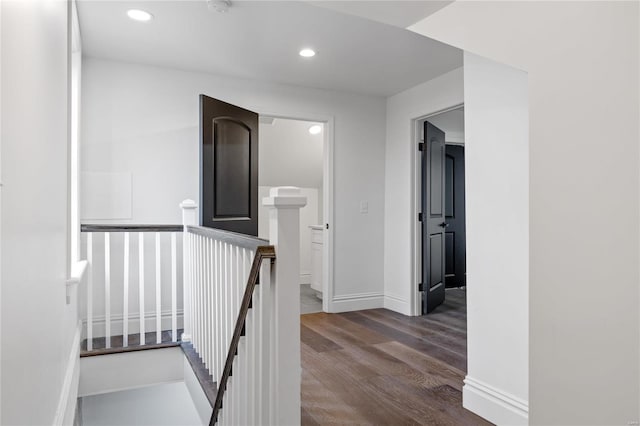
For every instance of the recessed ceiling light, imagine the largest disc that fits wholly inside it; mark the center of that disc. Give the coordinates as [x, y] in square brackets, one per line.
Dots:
[315, 129]
[307, 53]
[139, 15]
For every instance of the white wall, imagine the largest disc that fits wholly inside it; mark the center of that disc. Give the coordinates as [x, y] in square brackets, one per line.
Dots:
[582, 63]
[400, 211]
[168, 404]
[38, 327]
[497, 237]
[144, 120]
[134, 369]
[1, 139]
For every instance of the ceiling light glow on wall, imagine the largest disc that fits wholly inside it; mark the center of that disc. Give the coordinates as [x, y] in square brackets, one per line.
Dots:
[307, 53]
[139, 15]
[315, 129]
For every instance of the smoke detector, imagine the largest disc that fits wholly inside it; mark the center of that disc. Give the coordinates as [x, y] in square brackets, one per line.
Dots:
[220, 6]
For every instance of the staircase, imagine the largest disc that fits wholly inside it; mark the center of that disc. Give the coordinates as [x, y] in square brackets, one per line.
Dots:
[219, 296]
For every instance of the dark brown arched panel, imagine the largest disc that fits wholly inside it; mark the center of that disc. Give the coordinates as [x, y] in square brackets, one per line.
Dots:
[228, 167]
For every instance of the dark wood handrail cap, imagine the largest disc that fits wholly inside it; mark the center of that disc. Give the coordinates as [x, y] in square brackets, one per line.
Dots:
[130, 228]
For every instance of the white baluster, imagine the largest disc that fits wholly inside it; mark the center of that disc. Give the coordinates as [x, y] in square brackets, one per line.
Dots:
[232, 323]
[257, 340]
[196, 298]
[191, 292]
[203, 307]
[229, 286]
[90, 292]
[232, 308]
[205, 300]
[174, 289]
[242, 364]
[265, 354]
[141, 286]
[235, 391]
[223, 416]
[241, 346]
[194, 291]
[251, 343]
[125, 294]
[201, 297]
[158, 292]
[225, 304]
[215, 333]
[221, 302]
[200, 287]
[210, 303]
[219, 312]
[189, 218]
[192, 284]
[107, 289]
[237, 285]
[250, 370]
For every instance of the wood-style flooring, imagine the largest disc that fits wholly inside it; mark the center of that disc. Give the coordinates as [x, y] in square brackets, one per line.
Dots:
[378, 367]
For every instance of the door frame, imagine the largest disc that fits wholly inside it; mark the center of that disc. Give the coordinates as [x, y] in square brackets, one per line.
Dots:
[416, 236]
[327, 194]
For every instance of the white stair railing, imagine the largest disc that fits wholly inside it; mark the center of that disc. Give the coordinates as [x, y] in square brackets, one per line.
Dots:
[252, 354]
[132, 284]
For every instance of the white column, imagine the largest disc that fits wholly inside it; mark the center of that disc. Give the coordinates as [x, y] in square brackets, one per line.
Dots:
[284, 233]
[189, 218]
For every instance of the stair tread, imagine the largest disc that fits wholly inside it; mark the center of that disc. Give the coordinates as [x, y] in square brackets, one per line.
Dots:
[117, 346]
[208, 385]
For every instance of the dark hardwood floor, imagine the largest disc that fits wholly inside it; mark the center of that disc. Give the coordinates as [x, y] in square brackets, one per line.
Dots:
[378, 367]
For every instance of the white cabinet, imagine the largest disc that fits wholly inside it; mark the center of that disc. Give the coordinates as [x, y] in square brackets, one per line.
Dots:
[317, 240]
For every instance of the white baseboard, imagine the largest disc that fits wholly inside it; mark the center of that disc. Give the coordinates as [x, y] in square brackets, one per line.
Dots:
[305, 278]
[134, 323]
[493, 404]
[356, 302]
[397, 304]
[66, 411]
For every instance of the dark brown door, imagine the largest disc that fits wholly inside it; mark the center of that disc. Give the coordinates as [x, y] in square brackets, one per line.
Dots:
[433, 218]
[228, 167]
[455, 244]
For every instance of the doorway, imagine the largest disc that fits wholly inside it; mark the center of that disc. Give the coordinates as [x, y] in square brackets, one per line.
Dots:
[293, 152]
[442, 209]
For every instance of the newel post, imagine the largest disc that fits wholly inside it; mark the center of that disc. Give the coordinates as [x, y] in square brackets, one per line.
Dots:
[189, 218]
[284, 204]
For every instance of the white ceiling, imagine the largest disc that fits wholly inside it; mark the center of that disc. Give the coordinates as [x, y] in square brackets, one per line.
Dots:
[260, 41]
[399, 13]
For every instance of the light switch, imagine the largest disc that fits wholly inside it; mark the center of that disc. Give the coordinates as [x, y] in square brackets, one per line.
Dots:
[364, 207]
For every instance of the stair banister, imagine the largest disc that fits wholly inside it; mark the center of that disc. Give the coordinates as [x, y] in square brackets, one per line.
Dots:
[251, 348]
